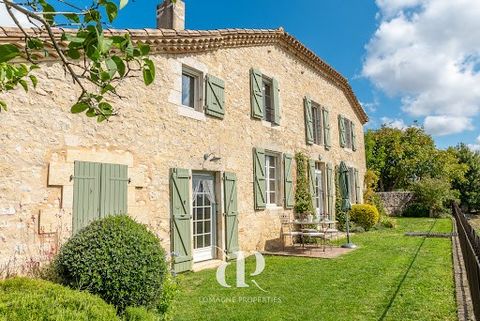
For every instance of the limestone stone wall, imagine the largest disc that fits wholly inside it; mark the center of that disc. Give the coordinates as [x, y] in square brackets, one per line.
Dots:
[40, 139]
[395, 202]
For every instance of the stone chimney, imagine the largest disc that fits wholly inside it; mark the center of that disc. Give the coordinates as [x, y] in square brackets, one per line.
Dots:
[171, 15]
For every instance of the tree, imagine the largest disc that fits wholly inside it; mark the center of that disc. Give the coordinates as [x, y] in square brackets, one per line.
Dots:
[97, 63]
[399, 157]
[435, 194]
[469, 186]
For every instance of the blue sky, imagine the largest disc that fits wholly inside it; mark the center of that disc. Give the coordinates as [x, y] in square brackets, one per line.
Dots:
[407, 60]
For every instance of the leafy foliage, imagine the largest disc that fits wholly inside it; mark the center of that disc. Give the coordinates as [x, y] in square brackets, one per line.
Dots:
[24, 299]
[303, 197]
[369, 194]
[434, 193]
[96, 62]
[387, 222]
[469, 187]
[402, 157]
[140, 314]
[416, 209]
[117, 259]
[364, 215]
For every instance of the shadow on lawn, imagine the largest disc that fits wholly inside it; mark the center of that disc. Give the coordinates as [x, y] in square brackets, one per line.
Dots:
[414, 258]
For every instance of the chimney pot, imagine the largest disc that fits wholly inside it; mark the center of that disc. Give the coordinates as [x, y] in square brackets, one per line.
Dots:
[171, 15]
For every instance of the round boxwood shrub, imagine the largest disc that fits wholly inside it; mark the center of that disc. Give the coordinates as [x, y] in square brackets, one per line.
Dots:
[365, 215]
[23, 299]
[117, 259]
[416, 210]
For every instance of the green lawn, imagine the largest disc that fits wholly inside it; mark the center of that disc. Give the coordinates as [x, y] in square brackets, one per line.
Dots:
[390, 277]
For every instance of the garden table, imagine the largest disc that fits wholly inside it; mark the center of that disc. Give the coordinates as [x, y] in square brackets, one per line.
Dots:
[320, 230]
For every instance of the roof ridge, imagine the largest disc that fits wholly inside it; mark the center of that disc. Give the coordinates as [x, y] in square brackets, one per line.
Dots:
[176, 41]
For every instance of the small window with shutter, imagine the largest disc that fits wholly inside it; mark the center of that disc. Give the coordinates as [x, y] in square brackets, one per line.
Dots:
[347, 133]
[265, 102]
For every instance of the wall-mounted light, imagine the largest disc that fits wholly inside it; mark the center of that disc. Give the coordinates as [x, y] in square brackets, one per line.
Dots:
[211, 157]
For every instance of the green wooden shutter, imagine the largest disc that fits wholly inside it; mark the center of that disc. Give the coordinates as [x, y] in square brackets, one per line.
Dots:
[311, 179]
[354, 137]
[181, 233]
[259, 177]
[215, 97]
[357, 185]
[86, 194]
[342, 131]
[114, 190]
[330, 193]
[231, 214]
[288, 183]
[307, 104]
[276, 102]
[256, 94]
[326, 129]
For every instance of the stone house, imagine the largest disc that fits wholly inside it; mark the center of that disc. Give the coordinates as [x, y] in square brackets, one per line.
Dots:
[204, 156]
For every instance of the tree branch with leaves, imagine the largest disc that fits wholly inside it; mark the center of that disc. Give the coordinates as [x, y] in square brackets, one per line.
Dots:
[95, 62]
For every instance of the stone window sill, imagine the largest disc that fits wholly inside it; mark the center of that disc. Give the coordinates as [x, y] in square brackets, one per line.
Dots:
[270, 125]
[191, 113]
[273, 207]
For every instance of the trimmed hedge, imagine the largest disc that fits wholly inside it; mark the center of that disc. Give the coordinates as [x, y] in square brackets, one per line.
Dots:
[364, 215]
[23, 299]
[116, 258]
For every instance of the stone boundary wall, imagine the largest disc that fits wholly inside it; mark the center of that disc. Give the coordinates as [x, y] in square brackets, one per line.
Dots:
[395, 202]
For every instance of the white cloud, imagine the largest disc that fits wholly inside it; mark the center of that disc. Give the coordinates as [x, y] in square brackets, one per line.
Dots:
[6, 20]
[446, 125]
[394, 123]
[371, 106]
[427, 53]
[475, 147]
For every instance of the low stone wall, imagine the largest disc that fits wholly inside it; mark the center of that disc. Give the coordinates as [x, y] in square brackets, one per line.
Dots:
[395, 202]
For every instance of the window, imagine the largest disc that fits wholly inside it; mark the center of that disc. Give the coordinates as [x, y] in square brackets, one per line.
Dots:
[191, 88]
[269, 114]
[348, 132]
[317, 124]
[272, 179]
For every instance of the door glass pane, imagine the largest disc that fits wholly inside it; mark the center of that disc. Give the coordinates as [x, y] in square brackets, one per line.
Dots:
[199, 200]
[207, 240]
[207, 212]
[199, 227]
[200, 213]
[199, 241]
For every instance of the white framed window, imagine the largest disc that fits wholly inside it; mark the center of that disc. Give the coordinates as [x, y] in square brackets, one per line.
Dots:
[272, 179]
[268, 103]
[192, 88]
[317, 124]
